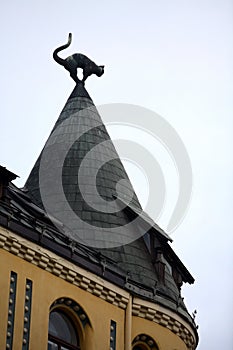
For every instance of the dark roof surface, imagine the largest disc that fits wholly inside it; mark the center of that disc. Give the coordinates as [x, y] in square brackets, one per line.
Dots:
[79, 134]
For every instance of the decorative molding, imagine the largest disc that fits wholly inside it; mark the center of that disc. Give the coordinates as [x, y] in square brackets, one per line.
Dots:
[146, 340]
[95, 285]
[75, 307]
[11, 310]
[162, 317]
[113, 335]
[62, 268]
[27, 314]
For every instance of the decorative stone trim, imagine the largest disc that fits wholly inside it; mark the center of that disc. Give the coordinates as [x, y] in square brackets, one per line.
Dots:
[95, 285]
[50, 262]
[75, 307]
[112, 335]
[162, 318]
[27, 314]
[11, 310]
[146, 340]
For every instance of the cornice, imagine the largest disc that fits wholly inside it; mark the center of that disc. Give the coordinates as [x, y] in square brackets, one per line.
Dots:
[62, 268]
[172, 321]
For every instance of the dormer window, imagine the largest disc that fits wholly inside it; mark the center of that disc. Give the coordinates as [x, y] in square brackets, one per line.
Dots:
[160, 265]
[177, 277]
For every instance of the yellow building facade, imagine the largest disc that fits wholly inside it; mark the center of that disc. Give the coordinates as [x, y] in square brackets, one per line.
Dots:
[59, 284]
[65, 287]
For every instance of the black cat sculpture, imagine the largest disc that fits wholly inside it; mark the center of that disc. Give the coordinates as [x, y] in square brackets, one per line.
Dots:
[75, 61]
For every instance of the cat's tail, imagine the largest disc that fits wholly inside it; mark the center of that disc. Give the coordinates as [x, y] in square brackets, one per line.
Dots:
[58, 59]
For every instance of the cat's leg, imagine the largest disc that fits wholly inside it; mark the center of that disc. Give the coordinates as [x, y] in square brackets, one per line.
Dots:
[86, 74]
[73, 74]
[84, 77]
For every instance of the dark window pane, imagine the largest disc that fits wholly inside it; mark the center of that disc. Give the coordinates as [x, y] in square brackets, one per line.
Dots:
[61, 327]
[52, 346]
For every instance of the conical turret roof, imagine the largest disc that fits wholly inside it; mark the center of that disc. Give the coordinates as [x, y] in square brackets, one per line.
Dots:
[80, 159]
[78, 177]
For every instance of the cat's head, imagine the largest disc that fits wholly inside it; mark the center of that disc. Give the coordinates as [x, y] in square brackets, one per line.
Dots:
[101, 71]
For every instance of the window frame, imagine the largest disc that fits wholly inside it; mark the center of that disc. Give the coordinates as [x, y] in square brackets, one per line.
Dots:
[58, 341]
[144, 342]
[142, 346]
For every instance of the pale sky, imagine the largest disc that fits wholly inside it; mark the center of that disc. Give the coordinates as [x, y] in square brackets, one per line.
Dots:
[173, 57]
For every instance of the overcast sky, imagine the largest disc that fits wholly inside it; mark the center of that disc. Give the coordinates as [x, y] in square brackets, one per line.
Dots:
[173, 57]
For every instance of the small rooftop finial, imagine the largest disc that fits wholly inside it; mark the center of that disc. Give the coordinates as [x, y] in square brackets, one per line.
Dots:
[6, 176]
[75, 61]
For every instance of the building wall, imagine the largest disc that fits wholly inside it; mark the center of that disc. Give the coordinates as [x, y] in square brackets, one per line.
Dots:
[165, 339]
[54, 278]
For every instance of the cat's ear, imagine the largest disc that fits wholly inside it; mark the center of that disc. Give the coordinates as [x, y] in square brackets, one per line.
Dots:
[102, 66]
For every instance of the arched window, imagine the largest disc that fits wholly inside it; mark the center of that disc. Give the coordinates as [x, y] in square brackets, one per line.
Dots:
[62, 332]
[140, 347]
[144, 342]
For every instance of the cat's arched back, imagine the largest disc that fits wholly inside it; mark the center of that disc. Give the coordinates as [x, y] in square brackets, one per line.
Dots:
[77, 60]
